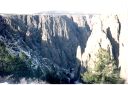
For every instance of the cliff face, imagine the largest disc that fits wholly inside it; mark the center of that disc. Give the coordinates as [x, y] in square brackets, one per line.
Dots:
[108, 32]
[48, 40]
[105, 34]
[65, 42]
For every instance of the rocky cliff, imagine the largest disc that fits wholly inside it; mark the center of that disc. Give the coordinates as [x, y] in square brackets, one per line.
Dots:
[50, 41]
[65, 43]
[108, 32]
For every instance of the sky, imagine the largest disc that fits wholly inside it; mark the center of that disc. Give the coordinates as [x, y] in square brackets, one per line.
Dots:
[81, 6]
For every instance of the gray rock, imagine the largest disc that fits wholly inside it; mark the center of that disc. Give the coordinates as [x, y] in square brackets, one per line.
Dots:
[65, 42]
[51, 37]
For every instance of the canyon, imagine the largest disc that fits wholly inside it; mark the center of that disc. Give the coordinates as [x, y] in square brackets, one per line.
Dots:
[66, 43]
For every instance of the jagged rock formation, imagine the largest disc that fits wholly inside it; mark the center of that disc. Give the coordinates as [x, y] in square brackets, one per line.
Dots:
[97, 39]
[50, 41]
[108, 32]
[65, 43]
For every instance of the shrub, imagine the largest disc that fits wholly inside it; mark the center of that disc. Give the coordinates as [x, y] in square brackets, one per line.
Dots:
[105, 70]
[11, 64]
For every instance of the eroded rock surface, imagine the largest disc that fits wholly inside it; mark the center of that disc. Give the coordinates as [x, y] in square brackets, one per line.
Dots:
[66, 43]
[50, 41]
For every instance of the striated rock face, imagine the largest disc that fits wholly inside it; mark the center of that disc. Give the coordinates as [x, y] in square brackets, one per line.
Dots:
[49, 40]
[84, 27]
[66, 43]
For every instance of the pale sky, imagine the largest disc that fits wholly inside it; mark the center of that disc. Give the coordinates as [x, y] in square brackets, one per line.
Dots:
[82, 6]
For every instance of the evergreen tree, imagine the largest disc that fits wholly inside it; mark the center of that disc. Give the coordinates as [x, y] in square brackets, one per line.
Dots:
[105, 70]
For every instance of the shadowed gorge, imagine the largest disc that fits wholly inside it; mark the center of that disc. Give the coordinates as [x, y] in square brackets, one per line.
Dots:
[57, 48]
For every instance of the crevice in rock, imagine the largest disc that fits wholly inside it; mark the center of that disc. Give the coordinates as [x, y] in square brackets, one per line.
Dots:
[119, 27]
[115, 45]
